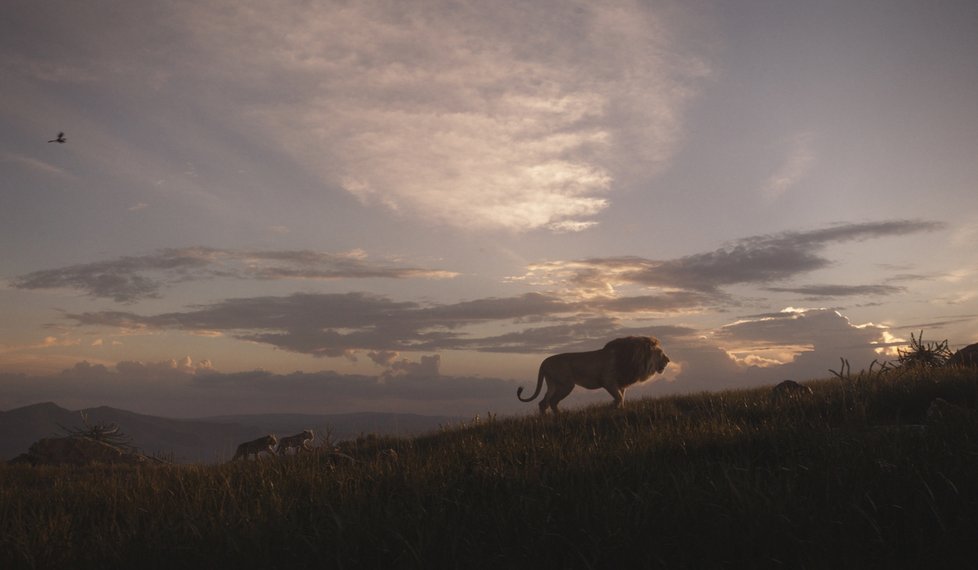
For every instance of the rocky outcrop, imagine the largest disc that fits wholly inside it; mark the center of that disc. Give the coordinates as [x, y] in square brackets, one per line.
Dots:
[789, 389]
[77, 451]
[967, 356]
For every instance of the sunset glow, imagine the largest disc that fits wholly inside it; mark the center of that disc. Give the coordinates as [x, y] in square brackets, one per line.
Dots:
[338, 207]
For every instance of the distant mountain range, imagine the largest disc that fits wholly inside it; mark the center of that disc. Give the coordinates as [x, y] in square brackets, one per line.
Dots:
[204, 440]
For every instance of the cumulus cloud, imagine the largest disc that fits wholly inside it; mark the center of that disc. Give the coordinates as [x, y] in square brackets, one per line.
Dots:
[427, 367]
[803, 343]
[826, 328]
[382, 357]
[132, 278]
[763, 349]
[46, 343]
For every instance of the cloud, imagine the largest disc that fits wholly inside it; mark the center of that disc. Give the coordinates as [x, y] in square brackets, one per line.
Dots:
[808, 342]
[665, 303]
[341, 324]
[754, 350]
[798, 162]
[121, 279]
[333, 324]
[132, 278]
[941, 322]
[504, 115]
[580, 334]
[757, 259]
[382, 357]
[469, 114]
[826, 328]
[184, 388]
[763, 349]
[427, 367]
[816, 291]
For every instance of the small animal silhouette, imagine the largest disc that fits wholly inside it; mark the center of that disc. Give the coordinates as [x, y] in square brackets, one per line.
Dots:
[61, 139]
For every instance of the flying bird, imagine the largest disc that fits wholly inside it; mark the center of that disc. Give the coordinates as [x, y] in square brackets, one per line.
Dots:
[61, 139]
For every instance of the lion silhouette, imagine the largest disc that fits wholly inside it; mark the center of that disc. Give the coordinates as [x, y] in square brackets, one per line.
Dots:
[621, 363]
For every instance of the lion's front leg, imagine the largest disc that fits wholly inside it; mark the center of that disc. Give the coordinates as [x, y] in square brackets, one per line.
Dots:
[618, 394]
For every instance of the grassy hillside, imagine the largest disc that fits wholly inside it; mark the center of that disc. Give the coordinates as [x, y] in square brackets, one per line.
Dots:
[854, 476]
[202, 440]
[183, 440]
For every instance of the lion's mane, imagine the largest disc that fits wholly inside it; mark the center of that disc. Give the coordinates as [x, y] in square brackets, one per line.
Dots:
[633, 358]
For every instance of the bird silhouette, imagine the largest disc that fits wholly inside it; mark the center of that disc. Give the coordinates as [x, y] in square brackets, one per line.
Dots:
[61, 139]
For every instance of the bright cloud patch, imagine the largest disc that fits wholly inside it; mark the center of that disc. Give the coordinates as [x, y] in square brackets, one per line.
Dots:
[777, 338]
[482, 114]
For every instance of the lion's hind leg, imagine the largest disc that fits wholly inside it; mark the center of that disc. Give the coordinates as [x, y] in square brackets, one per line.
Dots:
[547, 396]
[545, 400]
[554, 395]
[544, 404]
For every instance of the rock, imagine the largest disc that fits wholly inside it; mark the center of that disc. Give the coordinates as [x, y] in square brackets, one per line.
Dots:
[967, 356]
[789, 389]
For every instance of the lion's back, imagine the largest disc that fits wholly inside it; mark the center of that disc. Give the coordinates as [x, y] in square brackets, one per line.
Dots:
[593, 361]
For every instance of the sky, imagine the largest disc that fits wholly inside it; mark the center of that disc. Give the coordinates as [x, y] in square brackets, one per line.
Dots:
[404, 206]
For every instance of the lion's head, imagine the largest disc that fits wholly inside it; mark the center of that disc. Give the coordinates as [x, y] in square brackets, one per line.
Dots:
[637, 358]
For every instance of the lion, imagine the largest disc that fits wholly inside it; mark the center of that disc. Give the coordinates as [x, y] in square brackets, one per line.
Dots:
[621, 363]
[264, 443]
[300, 442]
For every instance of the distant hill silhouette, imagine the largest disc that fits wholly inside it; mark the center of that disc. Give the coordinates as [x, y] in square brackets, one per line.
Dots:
[205, 440]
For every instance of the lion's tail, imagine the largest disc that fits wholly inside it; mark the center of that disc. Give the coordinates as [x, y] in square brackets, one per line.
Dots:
[519, 391]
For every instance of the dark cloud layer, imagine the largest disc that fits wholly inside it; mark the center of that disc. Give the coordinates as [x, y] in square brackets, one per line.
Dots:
[335, 324]
[758, 259]
[331, 324]
[818, 291]
[132, 278]
[123, 279]
[338, 324]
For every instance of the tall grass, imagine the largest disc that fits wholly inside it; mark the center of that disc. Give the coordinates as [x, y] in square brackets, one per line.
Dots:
[851, 477]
